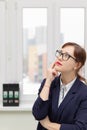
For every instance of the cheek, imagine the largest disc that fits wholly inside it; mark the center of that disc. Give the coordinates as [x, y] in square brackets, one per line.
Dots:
[69, 65]
[66, 66]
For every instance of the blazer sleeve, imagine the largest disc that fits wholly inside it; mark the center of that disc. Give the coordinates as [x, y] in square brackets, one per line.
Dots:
[81, 118]
[40, 107]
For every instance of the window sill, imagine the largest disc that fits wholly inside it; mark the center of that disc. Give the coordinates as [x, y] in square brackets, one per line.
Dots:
[24, 105]
[21, 107]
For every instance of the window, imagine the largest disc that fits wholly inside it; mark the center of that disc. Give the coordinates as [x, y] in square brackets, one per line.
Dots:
[72, 25]
[34, 48]
[40, 27]
[29, 33]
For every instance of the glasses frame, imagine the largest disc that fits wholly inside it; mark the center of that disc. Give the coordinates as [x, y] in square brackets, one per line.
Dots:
[62, 54]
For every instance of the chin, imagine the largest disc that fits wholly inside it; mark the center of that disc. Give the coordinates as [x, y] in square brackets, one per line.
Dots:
[58, 68]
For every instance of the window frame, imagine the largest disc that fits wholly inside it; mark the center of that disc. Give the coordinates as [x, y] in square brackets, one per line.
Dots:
[32, 4]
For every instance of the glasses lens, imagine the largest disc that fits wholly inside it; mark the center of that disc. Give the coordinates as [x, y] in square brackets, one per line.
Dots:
[58, 53]
[65, 56]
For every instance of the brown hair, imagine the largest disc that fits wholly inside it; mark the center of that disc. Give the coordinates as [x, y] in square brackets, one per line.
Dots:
[80, 55]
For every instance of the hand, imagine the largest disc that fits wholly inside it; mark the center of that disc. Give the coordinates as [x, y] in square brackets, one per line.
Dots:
[51, 73]
[45, 122]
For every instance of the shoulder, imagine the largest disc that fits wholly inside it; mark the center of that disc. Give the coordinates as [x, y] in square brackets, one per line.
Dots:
[83, 89]
[83, 85]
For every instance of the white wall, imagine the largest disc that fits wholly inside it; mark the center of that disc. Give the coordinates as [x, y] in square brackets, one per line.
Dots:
[17, 120]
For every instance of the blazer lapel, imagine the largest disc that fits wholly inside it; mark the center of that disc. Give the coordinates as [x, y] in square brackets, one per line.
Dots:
[68, 97]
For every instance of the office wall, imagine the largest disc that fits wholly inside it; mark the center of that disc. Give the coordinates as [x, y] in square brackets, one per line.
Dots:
[17, 120]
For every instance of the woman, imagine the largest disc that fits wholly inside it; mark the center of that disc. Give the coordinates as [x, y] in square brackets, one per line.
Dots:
[62, 98]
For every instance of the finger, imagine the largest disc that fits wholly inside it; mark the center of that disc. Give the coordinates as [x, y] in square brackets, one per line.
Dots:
[52, 65]
[55, 73]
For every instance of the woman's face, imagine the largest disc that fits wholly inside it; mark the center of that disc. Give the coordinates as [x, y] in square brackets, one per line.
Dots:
[69, 65]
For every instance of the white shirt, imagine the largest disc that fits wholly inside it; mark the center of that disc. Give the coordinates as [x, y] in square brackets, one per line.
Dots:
[64, 90]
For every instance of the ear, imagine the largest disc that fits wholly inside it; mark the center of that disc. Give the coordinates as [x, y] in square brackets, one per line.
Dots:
[78, 66]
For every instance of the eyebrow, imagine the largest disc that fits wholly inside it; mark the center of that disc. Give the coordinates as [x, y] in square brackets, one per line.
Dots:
[66, 52]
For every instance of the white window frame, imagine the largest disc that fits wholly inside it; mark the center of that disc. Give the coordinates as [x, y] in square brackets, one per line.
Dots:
[35, 4]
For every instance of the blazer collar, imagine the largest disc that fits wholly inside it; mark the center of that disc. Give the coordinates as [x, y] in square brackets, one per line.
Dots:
[74, 87]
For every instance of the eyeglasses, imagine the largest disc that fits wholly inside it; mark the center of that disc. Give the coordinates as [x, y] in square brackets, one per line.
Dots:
[65, 56]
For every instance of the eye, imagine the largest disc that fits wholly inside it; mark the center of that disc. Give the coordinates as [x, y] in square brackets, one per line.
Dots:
[65, 56]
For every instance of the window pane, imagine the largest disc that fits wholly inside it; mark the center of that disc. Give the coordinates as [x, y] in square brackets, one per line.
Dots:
[72, 25]
[34, 48]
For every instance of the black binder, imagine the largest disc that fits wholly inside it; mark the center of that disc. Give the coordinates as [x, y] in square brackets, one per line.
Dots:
[11, 94]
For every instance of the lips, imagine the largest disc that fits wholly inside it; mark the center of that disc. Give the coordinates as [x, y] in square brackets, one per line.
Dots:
[58, 63]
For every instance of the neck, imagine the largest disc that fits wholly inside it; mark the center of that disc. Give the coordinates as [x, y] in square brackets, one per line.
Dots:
[67, 78]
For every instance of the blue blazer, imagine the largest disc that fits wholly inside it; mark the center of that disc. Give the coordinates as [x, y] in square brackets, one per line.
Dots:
[72, 112]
